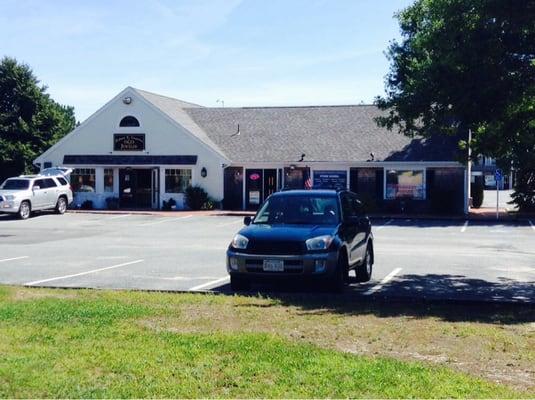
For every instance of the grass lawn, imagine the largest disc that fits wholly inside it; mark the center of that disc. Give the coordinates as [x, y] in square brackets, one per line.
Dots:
[83, 343]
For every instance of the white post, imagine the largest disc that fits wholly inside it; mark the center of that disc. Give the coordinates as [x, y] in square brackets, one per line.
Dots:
[469, 171]
[497, 199]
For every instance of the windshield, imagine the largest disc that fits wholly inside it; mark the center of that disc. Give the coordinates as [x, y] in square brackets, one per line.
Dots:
[302, 210]
[16, 184]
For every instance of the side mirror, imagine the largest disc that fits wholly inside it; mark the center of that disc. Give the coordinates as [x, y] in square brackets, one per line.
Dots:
[36, 187]
[247, 220]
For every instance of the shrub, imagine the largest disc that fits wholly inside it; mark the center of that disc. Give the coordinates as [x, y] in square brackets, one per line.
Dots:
[112, 203]
[169, 204]
[196, 197]
[87, 205]
[477, 189]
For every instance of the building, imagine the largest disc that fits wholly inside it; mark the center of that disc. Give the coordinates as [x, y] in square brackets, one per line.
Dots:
[144, 149]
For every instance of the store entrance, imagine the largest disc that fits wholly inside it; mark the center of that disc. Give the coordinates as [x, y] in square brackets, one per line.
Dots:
[135, 188]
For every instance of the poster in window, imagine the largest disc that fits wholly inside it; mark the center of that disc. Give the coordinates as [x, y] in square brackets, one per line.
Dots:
[254, 197]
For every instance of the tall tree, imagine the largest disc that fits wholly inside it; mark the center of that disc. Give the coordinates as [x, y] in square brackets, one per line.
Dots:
[468, 64]
[30, 121]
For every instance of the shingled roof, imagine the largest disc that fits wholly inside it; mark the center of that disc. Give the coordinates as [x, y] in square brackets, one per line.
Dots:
[323, 133]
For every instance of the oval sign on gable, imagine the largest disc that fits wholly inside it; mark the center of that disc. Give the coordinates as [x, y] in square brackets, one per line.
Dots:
[254, 177]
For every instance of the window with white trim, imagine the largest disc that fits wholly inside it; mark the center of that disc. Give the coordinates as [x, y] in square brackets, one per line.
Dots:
[108, 180]
[177, 180]
[83, 180]
[405, 184]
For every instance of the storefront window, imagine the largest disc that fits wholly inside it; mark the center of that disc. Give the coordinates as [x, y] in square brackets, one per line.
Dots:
[83, 180]
[405, 184]
[177, 180]
[108, 180]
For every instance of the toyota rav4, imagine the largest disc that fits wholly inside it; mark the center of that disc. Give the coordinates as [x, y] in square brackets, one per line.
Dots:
[321, 234]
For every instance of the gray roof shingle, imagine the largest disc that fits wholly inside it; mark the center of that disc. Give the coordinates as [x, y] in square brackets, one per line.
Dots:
[323, 133]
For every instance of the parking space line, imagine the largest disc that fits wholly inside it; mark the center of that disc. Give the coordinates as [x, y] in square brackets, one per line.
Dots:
[165, 219]
[463, 229]
[385, 224]
[531, 224]
[14, 258]
[385, 280]
[229, 223]
[82, 273]
[208, 284]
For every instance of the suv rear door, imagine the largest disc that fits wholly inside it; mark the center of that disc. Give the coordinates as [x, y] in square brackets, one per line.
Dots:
[51, 192]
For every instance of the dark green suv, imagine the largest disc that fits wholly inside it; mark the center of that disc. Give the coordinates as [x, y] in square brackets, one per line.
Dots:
[319, 234]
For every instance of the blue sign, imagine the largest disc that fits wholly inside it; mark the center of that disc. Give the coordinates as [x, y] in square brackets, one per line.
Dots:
[498, 175]
[330, 179]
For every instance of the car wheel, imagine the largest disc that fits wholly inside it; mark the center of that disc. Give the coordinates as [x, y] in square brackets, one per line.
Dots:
[364, 270]
[339, 278]
[61, 205]
[25, 210]
[239, 283]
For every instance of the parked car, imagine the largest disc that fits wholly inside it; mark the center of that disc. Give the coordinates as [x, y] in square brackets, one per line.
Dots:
[27, 193]
[321, 234]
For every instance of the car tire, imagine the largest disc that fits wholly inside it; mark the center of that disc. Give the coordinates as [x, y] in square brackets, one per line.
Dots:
[339, 278]
[25, 210]
[364, 270]
[61, 205]
[239, 283]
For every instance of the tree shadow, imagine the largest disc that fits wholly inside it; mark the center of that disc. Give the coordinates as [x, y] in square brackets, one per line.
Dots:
[452, 298]
[446, 222]
[436, 147]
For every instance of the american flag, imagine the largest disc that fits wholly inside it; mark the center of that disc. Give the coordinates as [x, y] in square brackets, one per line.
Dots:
[308, 182]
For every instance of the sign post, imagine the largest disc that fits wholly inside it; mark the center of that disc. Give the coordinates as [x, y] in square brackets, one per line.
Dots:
[498, 178]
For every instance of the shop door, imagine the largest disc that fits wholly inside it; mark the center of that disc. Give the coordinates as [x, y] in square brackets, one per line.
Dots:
[253, 188]
[127, 184]
[233, 197]
[270, 182]
[143, 190]
[156, 188]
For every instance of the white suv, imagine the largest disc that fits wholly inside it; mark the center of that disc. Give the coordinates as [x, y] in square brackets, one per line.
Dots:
[47, 191]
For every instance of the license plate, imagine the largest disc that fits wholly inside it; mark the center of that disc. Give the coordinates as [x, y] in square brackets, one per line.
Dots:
[273, 265]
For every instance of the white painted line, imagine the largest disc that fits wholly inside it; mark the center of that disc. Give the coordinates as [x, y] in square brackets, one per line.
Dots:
[121, 216]
[385, 224]
[165, 219]
[14, 258]
[463, 229]
[229, 223]
[83, 273]
[532, 226]
[209, 284]
[385, 280]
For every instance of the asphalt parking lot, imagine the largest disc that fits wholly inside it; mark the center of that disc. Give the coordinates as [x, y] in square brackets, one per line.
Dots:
[414, 258]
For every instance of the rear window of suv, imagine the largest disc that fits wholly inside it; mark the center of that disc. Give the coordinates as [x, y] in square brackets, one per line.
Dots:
[61, 180]
[16, 184]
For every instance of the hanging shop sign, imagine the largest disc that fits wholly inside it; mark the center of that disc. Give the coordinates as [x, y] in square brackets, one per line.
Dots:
[129, 142]
[330, 179]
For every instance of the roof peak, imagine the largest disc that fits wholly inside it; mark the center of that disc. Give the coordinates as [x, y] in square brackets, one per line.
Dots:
[142, 91]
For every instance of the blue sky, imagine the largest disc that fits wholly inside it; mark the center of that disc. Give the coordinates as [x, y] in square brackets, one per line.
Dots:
[245, 52]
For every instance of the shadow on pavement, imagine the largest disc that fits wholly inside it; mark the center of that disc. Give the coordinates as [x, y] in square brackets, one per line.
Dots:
[451, 298]
[444, 223]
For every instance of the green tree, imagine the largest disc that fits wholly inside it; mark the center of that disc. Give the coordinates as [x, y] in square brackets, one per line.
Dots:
[468, 64]
[30, 121]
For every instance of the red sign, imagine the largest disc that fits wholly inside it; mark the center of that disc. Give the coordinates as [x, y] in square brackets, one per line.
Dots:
[254, 177]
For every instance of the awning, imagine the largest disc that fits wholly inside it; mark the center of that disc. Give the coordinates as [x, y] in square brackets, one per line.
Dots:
[128, 160]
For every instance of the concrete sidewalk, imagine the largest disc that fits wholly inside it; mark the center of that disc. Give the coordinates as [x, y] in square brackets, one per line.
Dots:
[166, 213]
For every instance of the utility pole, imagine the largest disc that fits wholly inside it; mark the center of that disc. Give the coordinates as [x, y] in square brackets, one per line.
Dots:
[469, 169]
